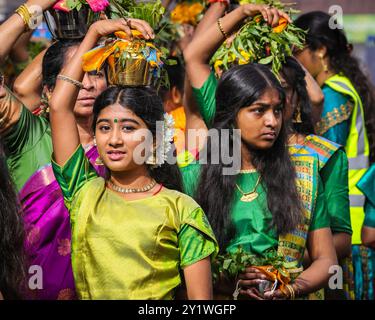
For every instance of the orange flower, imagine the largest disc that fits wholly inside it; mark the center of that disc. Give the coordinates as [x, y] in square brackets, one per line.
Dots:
[282, 25]
[195, 9]
[186, 13]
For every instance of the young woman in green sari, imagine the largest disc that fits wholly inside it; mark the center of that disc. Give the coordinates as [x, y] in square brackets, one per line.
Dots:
[250, 98]
[303, 101]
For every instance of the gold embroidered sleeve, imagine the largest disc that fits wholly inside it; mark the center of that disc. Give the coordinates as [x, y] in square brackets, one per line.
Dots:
[334, 117]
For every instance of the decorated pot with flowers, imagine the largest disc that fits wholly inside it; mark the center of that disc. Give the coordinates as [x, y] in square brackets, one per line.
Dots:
[70, 19]
[133, 62]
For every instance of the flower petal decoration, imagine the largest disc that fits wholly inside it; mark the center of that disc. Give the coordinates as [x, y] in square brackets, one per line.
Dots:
[282, 25]
[68, 5]
[98, 5]
[61, 5]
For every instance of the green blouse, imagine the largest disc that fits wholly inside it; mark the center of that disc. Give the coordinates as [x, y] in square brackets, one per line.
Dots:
[129, 249]
[252, 220]
[28, 146]
[206, 98]
[335, 179]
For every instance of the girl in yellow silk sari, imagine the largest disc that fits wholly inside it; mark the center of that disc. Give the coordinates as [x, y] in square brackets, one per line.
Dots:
[134, 232]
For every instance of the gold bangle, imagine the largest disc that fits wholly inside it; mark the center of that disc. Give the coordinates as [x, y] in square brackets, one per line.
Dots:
[291, 291]
[24, 13]
[70, 80]
[221, 29]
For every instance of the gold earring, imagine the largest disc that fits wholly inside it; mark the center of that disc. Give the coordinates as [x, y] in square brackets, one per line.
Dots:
[297, 115]
[325, 67]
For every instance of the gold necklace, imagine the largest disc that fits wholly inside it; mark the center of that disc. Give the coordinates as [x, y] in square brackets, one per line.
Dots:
[249, 196]
[248, 171]
[132, 190]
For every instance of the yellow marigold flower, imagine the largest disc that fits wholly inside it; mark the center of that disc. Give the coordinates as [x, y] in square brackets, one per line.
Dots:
[195, 9]
[231, 57]
[217, 65]
[282, 25]
[186, 13]
[245, 54]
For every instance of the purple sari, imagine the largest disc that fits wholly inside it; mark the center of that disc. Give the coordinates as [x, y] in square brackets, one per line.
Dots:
[48, 233]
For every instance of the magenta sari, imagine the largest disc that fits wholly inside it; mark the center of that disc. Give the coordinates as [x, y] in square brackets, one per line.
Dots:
[48, 233]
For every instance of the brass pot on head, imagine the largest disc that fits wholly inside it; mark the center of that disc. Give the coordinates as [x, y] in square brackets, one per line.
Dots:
[130, 69]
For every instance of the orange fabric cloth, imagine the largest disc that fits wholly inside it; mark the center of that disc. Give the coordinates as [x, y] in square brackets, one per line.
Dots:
[95, 58]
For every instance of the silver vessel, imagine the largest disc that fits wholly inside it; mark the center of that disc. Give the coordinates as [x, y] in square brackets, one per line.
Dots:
[70, 25]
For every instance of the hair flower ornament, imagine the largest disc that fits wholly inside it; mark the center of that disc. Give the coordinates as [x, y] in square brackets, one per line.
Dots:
[169, 132]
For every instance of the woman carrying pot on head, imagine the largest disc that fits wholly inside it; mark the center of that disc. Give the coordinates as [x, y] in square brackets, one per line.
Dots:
[28, 145]
[259, 207]
[133, 232]
[347, 119]
[303, 97]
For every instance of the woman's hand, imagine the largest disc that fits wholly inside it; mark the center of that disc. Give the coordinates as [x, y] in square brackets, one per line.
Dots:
[270, 14]
[279, 295]
[104, 28]
[44, 4]
[276, 295]
[249, 282]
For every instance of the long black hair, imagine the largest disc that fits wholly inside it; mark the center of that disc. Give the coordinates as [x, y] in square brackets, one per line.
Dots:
[12, 258]
[341, 61]
[294, 76]
[240, 87]
[147, 105]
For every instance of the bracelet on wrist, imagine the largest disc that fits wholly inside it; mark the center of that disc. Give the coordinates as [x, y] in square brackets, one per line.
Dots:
[24, 13]
[70, 80]
[292, 293]
[222, 29]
